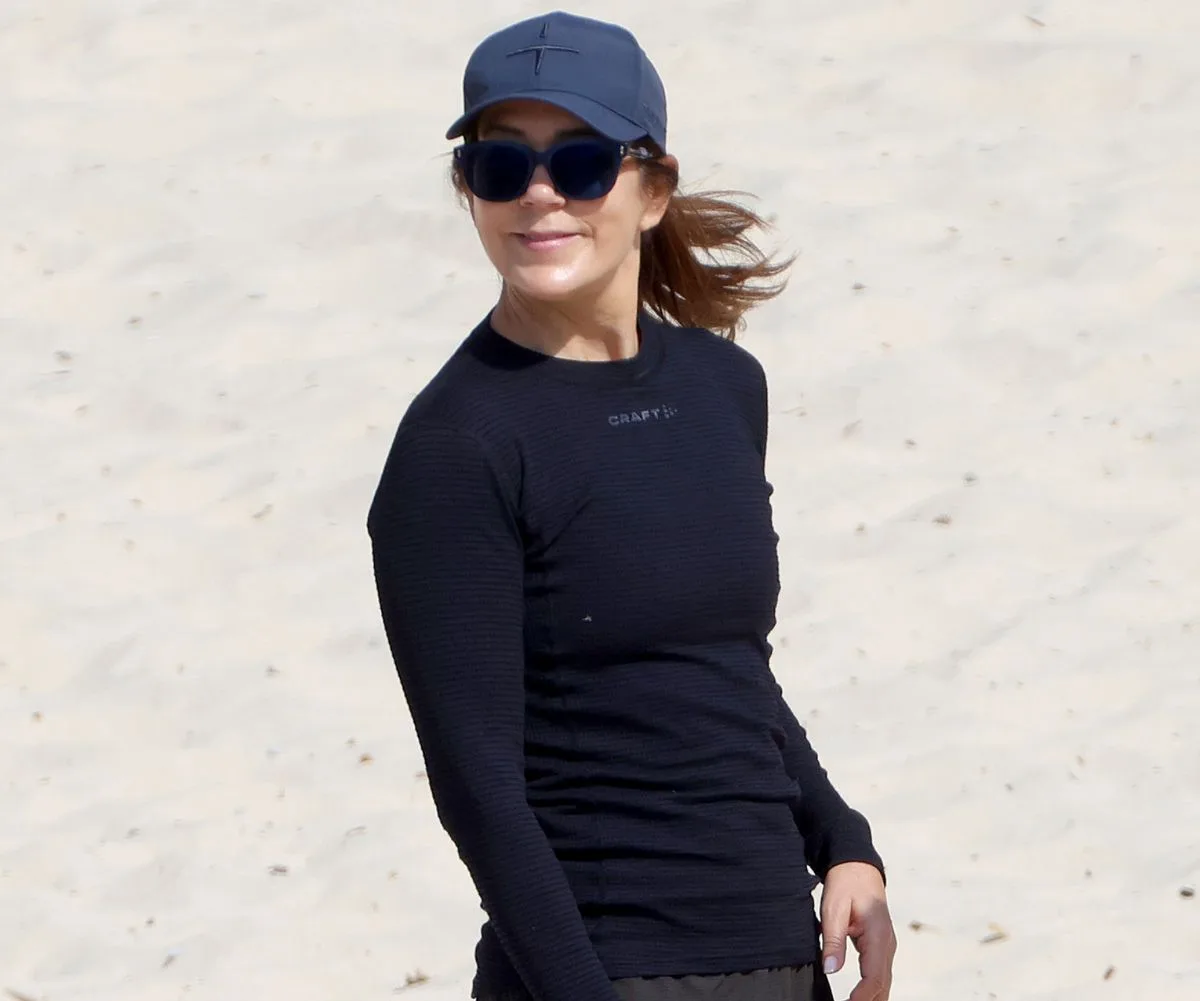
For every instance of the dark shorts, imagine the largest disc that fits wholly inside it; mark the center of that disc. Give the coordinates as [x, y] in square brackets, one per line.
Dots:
[793, 983]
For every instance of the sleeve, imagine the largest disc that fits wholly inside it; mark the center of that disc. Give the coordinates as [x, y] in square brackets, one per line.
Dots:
[448, 561]
[833, 832]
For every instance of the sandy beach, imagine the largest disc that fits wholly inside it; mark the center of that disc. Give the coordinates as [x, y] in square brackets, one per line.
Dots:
[229, 256]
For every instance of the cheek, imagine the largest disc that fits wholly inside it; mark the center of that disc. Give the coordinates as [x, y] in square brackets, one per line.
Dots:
[490, 219]
[631, 203]
[618, 222]
[494, 221]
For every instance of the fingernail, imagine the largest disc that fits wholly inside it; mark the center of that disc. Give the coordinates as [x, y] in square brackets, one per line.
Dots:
[831, 964]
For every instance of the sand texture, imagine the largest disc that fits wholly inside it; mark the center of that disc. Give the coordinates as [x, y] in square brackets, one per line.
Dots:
[229, 257]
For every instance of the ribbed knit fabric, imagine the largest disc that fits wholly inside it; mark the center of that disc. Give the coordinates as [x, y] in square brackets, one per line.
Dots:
[577, 573]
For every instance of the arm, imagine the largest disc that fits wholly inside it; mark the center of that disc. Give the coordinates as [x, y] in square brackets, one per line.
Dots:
[449, 566]
[833, 833]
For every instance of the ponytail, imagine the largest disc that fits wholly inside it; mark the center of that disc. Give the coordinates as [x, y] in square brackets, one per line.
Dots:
[700, 268]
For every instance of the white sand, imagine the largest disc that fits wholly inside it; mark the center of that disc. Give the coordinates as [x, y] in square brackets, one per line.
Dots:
[228, 257]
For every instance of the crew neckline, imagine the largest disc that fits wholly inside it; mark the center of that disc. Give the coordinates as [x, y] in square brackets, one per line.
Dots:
[496, 349]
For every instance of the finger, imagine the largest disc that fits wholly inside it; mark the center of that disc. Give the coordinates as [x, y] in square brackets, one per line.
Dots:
[887, 959]
[872, 989]
[886, 993]
[874, 965]
[835, 925]
[868, 990]
[873, 983]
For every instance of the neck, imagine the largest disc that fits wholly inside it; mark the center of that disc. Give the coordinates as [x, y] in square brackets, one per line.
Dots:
[582, 328]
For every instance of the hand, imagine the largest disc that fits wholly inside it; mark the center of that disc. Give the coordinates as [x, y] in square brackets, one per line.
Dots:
[854, 906]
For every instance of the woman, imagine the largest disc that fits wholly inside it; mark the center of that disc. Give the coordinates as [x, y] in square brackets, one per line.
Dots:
[577, 571]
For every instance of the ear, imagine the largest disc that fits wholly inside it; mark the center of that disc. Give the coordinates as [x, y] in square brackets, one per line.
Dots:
[657, 193]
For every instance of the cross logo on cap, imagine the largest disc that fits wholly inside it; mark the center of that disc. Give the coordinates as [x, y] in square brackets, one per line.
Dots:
[541, 50]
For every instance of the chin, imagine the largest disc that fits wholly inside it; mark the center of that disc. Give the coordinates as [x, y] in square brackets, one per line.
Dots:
[547, 285]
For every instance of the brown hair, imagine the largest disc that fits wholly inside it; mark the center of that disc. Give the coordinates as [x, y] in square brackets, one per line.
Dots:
[699, 267]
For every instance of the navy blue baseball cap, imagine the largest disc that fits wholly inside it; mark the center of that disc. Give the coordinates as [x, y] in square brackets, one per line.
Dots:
[596, 71]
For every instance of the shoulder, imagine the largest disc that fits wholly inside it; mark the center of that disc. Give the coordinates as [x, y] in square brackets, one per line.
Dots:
[440, 473]
[479, 394]
[465, 394]
[727, 359]
[729, 365]
[457, 433]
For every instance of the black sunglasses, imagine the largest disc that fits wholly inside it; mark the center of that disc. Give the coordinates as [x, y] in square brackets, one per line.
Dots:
[499, 170]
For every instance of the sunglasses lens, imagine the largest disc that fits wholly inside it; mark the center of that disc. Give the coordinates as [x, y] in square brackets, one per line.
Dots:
[585, 169]
[496, 171]
[500, 171]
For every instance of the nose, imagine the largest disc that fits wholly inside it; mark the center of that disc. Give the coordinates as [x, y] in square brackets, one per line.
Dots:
[541, 191]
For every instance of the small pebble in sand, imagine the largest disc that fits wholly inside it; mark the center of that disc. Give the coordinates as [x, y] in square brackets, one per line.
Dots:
[414, 979]
[997, 934]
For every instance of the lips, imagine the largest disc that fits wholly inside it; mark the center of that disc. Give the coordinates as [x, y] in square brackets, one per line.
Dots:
[550, 240]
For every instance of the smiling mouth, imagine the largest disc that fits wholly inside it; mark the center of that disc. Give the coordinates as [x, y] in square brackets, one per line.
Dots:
[545, 241]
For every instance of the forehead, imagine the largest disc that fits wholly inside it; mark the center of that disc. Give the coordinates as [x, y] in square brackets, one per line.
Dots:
[530, 118]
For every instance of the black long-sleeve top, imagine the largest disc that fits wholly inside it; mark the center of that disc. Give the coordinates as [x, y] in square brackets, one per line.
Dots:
[577, 574]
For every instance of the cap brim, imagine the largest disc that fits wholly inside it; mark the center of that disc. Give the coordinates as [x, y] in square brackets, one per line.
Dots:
[607, 123]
